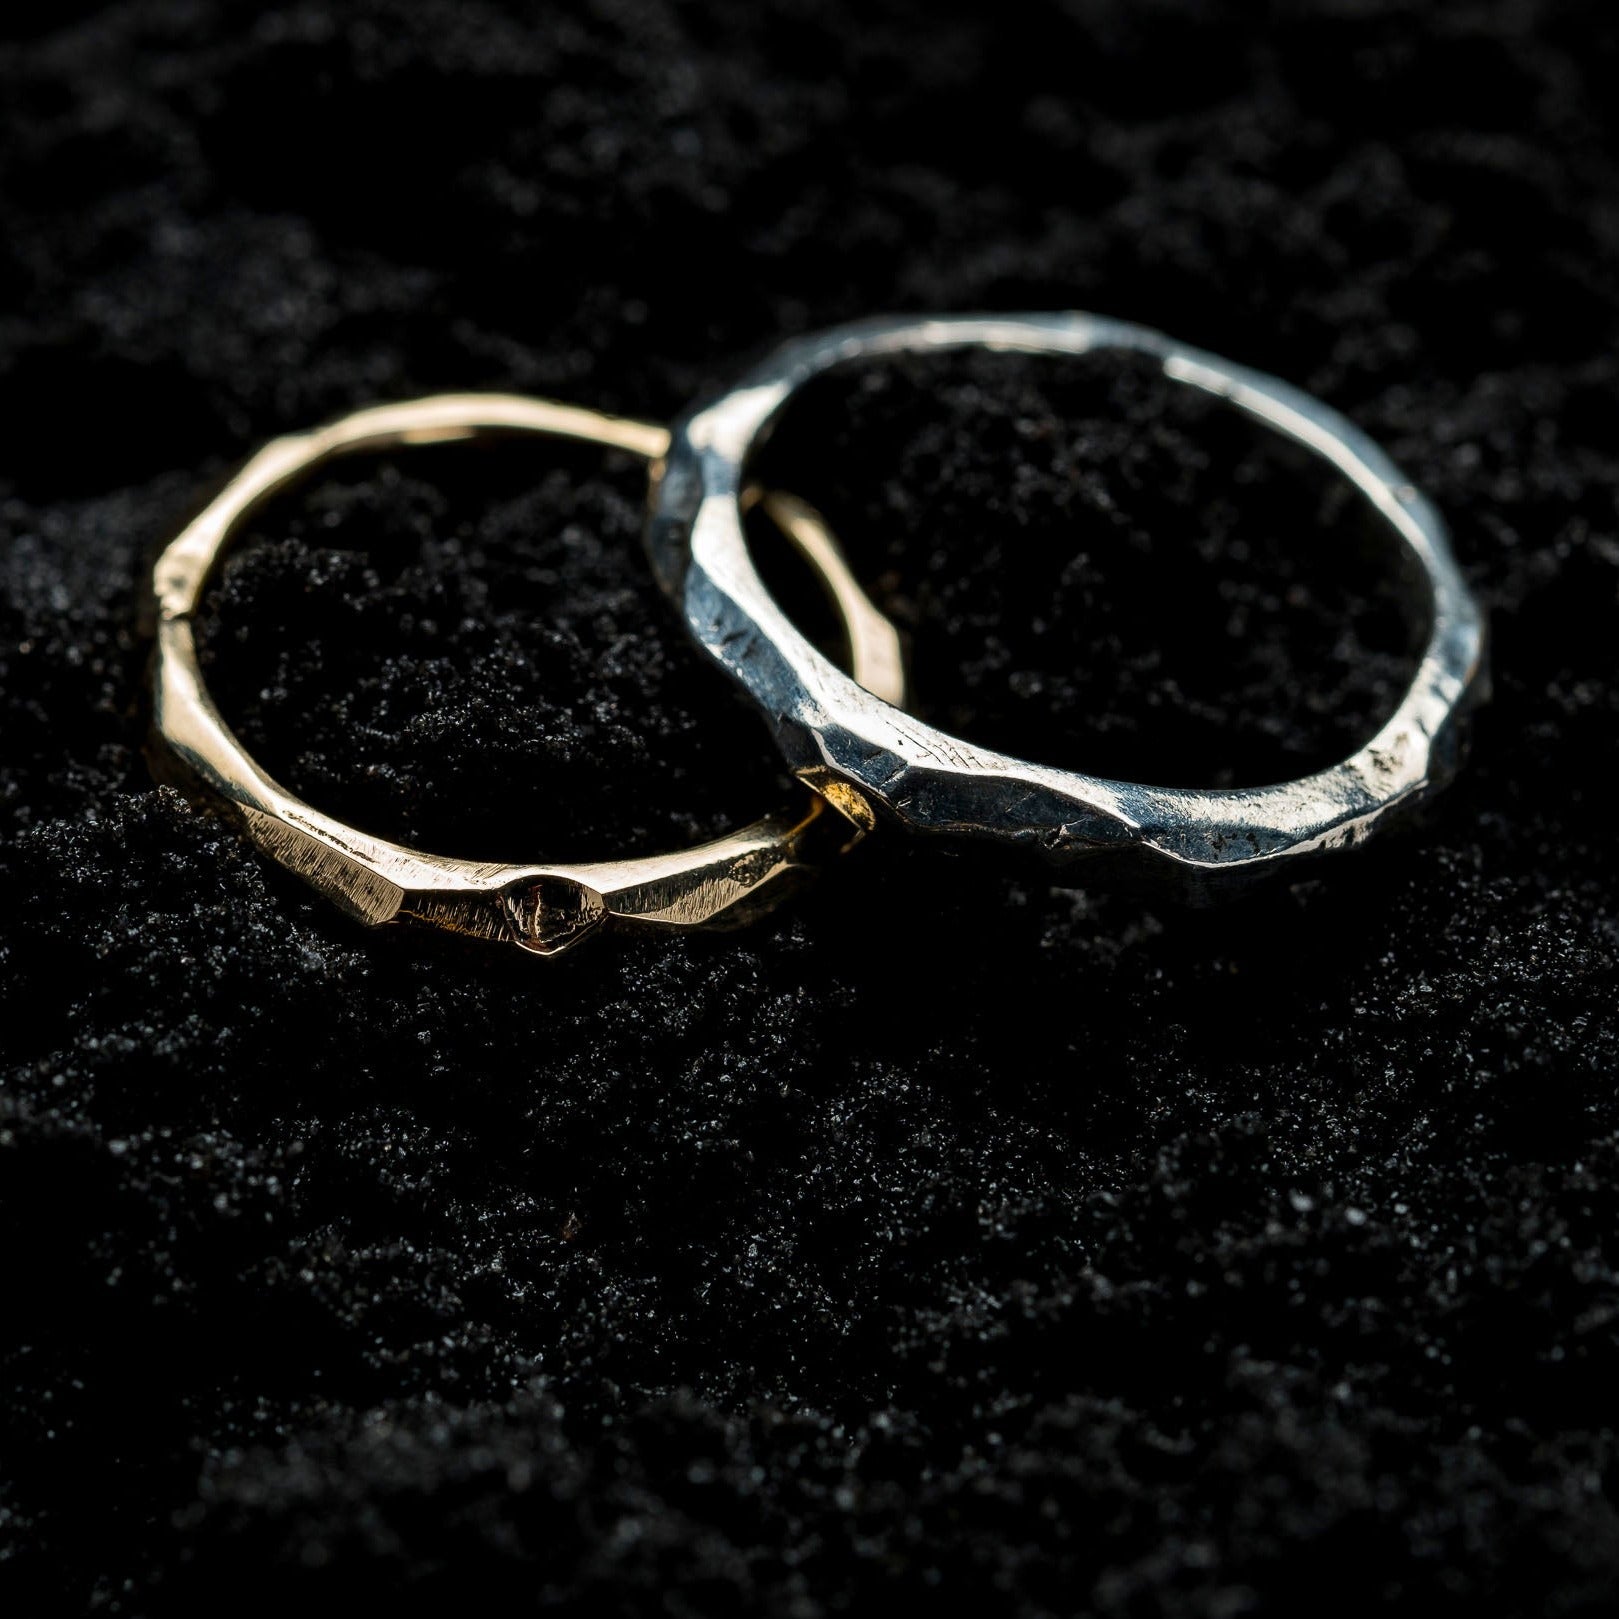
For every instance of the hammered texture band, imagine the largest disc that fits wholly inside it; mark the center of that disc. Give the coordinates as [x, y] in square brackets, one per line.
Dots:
[875, 757]
[544, 909]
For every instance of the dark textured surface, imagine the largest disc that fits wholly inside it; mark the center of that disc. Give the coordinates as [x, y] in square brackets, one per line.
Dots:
[1252, 1260]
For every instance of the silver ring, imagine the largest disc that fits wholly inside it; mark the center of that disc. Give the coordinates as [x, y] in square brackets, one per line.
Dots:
[851, 745]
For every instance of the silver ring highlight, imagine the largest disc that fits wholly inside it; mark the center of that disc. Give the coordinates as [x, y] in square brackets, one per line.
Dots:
[831, 731]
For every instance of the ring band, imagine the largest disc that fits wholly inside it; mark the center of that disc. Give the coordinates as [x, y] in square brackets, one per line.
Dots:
[544, 909]
[830, 730]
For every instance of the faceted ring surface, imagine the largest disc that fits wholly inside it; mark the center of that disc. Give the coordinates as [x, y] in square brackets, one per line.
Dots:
[831, 731]
[544, 909]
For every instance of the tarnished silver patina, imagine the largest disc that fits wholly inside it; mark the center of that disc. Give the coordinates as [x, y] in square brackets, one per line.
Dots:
[866, 754]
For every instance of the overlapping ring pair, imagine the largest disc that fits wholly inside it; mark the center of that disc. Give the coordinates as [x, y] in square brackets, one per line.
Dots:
[844, 733]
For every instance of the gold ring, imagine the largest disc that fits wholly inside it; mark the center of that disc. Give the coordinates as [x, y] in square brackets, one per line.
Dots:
[543, 909]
